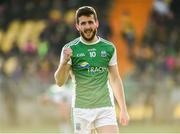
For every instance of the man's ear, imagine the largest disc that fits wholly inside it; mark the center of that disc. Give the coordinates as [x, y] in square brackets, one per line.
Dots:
[97, 23]
[77, 26]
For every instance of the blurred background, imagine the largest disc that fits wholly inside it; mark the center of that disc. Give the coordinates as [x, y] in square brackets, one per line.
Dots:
[145, 32]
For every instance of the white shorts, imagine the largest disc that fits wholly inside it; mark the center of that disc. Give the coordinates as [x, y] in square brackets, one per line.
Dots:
[85, 120]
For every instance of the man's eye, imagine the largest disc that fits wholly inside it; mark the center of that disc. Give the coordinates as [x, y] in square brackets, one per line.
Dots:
[83, 23]
[90, 22]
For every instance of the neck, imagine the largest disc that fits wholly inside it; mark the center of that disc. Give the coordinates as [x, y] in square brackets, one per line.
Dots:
[91, 41]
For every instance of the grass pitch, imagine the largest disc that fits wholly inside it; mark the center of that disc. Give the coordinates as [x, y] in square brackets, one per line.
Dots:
[133, 127]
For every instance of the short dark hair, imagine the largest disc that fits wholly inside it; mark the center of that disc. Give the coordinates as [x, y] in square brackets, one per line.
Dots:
[85, 11]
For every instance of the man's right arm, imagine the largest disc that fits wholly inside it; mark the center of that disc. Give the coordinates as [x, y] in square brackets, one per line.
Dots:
[62, 73]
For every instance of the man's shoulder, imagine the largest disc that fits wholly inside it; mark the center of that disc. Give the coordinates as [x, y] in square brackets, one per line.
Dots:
[72, 43]
[106, 42]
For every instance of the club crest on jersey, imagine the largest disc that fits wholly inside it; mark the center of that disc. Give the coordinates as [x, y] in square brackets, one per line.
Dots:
[84, 65]
[103, 54]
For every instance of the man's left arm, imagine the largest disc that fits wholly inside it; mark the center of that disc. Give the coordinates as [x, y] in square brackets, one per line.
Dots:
[118, 90]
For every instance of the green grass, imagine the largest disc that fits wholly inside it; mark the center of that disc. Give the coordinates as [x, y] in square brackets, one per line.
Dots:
[29, 128]
[151, 128]
[133, 127]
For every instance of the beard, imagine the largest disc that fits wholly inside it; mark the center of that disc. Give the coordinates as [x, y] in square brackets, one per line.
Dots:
[88, 38]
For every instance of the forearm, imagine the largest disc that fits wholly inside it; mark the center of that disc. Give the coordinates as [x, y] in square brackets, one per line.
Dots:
[118, 90]
[117, 87]
[62, 74]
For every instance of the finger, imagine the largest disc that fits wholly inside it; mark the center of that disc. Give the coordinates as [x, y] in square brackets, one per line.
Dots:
[124, 122]
[67, 51]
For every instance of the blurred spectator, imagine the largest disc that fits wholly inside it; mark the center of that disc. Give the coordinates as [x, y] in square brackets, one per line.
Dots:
[174, 7]
[9, 88]
[161, 7]
[105, 29]
[128, 33]
[30, 48]
[170, 63]
[43, 49]
[61, 97]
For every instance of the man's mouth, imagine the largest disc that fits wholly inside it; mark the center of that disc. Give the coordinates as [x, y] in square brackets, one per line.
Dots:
[88, 31]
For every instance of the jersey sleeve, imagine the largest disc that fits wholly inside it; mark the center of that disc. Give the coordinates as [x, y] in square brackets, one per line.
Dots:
[62, 56]
[113, 60]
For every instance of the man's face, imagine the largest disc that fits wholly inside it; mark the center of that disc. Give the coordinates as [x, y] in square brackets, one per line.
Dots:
[87, 27]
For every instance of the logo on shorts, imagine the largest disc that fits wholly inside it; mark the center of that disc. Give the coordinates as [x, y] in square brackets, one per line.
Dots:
[78, 126]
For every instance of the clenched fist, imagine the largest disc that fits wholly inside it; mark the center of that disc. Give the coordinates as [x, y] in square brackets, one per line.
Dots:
[67, 53]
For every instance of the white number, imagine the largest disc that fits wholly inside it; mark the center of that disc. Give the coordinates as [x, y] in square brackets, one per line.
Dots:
[92, 54]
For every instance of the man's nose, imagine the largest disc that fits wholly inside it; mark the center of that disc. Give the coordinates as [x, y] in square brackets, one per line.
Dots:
[87, 25]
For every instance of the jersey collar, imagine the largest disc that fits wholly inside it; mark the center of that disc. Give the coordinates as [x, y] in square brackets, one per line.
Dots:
[90, 43]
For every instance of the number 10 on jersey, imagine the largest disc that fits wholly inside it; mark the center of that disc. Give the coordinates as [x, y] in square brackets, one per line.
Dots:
[92, 54]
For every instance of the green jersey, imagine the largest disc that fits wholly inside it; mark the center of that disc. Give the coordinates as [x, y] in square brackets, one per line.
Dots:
[89, 63]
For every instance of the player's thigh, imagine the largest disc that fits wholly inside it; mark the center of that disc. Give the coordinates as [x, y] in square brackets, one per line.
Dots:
[108, 129]
[106, 122]
[81, 124]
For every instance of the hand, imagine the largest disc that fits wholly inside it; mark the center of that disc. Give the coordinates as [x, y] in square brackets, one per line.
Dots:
[67, 53]
[124, 118]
